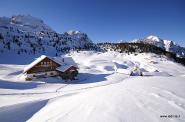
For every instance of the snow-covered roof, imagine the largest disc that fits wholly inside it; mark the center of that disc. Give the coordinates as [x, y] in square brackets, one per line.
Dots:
[63, 68]
[42, 57]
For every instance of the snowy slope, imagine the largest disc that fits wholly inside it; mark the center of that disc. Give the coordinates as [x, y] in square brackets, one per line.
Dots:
[134, 100]
[24, 34]
[101, 93]
[168, 45]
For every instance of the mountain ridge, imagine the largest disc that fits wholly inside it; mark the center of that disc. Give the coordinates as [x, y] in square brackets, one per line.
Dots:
[167, 45]
[30, 35]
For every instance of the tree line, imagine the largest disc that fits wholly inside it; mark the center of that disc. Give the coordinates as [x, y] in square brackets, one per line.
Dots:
[140, 48]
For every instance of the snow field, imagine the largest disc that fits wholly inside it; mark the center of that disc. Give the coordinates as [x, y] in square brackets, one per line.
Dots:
[101, 93]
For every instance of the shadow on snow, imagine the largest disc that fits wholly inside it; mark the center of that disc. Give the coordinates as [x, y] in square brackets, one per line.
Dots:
[20, 112]
[18, 85]
[83, 78]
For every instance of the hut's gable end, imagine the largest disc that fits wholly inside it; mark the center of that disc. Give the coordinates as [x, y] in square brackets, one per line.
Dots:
[72, 68]
[44, 66]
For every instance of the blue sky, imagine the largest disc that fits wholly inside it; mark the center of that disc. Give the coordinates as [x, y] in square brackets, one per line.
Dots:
[107, 20]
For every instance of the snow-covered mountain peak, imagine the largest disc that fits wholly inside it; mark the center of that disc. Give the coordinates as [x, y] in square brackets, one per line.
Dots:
[78, 35]
[29, 22]
[26, 19]
[154, 38]
[168, 45]
[134, 40]
[27, 34]
[73, 32]
[168, 42]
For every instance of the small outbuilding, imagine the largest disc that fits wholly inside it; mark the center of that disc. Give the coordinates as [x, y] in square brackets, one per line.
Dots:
[67, 72]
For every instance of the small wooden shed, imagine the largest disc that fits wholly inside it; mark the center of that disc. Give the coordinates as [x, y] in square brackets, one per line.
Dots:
[67, 72]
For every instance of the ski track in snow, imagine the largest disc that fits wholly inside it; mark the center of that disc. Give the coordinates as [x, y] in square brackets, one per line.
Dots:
[100, 93]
